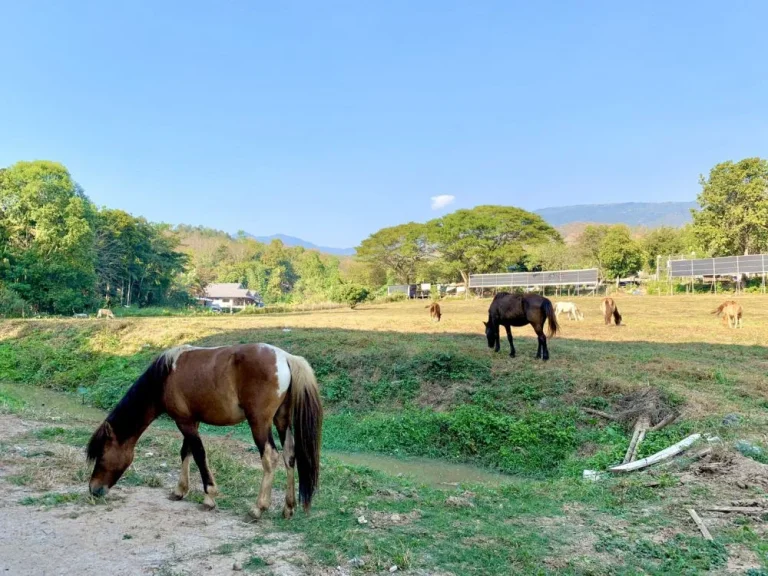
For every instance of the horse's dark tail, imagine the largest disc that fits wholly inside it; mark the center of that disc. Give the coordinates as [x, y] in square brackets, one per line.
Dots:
[307, 421]
[554, 327]
[616, 315]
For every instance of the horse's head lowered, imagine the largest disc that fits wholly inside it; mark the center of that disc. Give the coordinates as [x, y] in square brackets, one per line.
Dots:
[111, 458]
[490, 334]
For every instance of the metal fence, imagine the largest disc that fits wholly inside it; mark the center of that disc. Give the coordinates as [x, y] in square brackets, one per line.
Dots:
[727, 266]
[588, 277]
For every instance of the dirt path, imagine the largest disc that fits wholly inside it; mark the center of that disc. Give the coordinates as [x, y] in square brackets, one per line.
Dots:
[140, 531]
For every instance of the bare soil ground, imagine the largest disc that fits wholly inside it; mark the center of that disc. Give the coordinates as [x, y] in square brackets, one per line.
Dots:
[139, 531]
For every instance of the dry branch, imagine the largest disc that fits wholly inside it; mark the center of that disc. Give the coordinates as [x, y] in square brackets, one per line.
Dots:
[736, 509]
[700, 523]
[665, 454]
[641, 426]
[665, 422]
[600, 413]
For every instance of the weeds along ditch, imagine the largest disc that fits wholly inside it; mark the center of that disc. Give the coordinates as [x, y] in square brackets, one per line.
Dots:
[437, 395]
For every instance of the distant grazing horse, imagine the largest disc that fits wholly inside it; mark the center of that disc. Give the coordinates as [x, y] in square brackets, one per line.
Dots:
[515, 310]
[220, 386]
[105, 312]
[731, 311]
[569, 308]
[434, 311]
[608, 308]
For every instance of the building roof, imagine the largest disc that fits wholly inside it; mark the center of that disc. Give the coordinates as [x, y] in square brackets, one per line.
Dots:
[229, 290]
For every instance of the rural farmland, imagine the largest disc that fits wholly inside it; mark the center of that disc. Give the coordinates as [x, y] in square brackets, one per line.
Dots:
[439, 456]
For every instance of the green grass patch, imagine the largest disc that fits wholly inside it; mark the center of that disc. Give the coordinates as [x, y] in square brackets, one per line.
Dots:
[54, 499]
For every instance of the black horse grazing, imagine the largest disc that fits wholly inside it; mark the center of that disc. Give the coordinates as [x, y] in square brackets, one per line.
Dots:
[518, 310]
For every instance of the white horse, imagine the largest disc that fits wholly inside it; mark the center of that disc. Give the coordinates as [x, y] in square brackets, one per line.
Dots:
[570, 308]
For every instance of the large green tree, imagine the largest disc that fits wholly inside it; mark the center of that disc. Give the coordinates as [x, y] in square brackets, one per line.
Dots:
[620, 254]
[487, 238]
[400, 249]
[665, 242]
[551, 256]
[49, 225]
[733, 218]
[589, 243]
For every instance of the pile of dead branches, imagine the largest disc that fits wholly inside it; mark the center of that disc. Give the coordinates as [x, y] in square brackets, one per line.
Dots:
[646, 410]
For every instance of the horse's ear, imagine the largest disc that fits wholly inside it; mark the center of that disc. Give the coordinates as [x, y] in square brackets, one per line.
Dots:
[108, 432]
[485, 323]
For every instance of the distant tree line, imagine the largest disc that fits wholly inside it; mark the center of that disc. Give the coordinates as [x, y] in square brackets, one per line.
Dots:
[732, 219]
[61, 254]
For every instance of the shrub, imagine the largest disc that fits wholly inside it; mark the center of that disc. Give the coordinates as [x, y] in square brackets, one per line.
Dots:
[353, 294]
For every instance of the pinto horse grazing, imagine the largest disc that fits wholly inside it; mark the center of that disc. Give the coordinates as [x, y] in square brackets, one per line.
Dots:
[434, 311]
[515, 310]
[731, 311]
[220, 386]
[608, 308]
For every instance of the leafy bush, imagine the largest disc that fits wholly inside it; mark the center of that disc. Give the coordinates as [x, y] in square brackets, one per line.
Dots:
[353, 294]
[11, 304]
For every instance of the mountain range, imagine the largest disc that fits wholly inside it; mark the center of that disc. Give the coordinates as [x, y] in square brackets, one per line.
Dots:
[568, 219]
[293, 241]
[648, 214]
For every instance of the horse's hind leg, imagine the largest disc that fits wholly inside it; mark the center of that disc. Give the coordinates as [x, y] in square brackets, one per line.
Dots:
[511, 343]
[262, 436]
[283, 424]
[195, 445]
[182, 488]
[543, 351]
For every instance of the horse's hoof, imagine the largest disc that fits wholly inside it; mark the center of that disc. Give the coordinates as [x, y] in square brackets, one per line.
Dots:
[209, 503]
[178, 494]
[287, 512]
[255, 513]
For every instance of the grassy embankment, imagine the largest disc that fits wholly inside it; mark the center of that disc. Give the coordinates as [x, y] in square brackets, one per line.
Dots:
[395, 383]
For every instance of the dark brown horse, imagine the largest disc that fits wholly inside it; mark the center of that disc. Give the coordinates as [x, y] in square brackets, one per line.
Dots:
[434, 311]
[220, 386]
[518, 310]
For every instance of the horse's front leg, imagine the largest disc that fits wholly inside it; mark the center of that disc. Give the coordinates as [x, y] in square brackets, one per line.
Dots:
[497, 346]
[195, 445]
[182, 488]
[511, 343]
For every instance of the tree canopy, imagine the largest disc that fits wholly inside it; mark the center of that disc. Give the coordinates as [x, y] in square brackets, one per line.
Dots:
[400, 250]
[487, 238]
[620, 254]
[733, 218]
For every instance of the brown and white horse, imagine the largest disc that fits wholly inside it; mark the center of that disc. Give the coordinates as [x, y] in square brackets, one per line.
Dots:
[220, 386]
[608, 308]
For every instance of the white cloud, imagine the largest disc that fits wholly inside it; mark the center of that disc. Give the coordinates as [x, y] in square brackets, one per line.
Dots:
[442, 201]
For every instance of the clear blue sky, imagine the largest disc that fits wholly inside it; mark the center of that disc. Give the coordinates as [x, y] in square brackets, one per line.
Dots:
[328, 120]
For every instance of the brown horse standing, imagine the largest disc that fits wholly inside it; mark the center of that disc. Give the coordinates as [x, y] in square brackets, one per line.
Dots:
[731, 311]
[220, 386]
[434, 311]
[608, 308]
[518, 310]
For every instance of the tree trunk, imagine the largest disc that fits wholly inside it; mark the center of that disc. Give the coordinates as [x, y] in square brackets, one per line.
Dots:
[465, 277]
